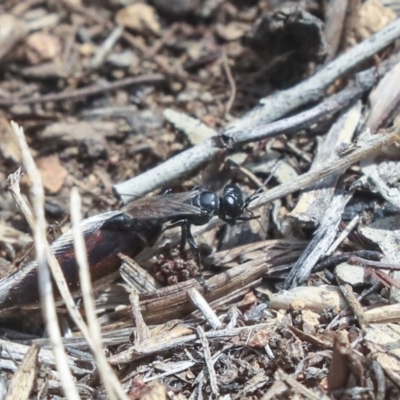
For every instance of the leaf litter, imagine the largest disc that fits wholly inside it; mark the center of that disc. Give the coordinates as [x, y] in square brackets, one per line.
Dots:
[133, 98]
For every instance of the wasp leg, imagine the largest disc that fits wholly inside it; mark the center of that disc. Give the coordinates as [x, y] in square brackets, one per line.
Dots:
[193, 245]
[183, 223]
[248, 217]
[190, 239]
[187, 237]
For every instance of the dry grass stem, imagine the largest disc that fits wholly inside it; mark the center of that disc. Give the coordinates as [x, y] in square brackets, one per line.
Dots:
[208, 360]
[42, 249]
[111, 383]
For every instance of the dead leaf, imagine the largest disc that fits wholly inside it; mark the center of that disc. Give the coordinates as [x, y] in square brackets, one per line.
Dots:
[374, 16]
[140, 17]
[53, 173]
[8, 144]
[12, 30]
[41, 46]
[310, 322]
[230, 32]
[259, 340]
[152, 391]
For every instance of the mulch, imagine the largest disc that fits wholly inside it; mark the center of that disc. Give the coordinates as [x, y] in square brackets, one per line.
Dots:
[295, 103]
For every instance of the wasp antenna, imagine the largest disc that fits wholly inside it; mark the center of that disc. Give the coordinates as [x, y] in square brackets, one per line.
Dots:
[250, 199]
[257, 192]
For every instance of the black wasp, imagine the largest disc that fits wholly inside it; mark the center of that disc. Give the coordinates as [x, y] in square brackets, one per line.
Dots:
[128, 231]
[196, 207]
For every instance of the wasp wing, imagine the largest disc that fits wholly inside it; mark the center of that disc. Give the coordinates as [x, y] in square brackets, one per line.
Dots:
[165, 206]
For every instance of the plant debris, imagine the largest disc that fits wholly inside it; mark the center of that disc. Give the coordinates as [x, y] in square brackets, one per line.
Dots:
[296, 104]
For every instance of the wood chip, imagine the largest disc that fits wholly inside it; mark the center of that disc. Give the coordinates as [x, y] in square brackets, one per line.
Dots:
[24, 378]
[316, 299]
